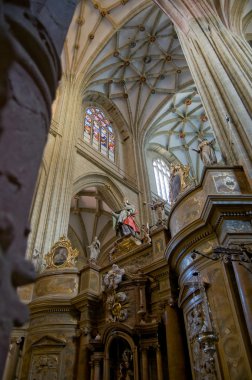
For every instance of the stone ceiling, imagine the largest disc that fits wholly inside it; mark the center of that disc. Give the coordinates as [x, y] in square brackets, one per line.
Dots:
[90, 216]
[140, 68]
[176, 130]
[143, 72]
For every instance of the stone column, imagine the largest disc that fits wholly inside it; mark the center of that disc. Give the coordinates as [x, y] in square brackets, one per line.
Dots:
[85, 302]
[83, 369]
[31, 41]
[175, 351]
[55, 209]
[92, 370]
[145, 372]
[83, 363]
[159, 364]
[96, 369]
[12, 360]
[97, 357]
[244, 285]
[220, 63]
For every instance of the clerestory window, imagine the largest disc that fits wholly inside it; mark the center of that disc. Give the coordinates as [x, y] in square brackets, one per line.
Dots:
[98, 132]
[162, 177]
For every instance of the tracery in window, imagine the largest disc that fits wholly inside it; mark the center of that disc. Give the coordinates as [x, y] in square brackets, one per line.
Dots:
[162, 177]
[99, 132]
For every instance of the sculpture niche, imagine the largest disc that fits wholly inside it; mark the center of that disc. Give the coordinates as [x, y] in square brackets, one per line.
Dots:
[124, 221]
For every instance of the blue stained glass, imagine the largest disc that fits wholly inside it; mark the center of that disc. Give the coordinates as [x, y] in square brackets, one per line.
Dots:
[88, 119]
[104, 137]
[97, 125]
[111, 142]
[96, 133]
[87, 128]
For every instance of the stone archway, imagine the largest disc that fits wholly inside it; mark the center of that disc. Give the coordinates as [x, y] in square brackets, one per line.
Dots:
[121, 359]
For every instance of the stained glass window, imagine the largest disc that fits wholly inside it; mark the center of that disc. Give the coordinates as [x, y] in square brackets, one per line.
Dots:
[162, 177]
[98, 132]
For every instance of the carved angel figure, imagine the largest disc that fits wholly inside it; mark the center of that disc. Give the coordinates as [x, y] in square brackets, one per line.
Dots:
[146, 234]
[113, 277]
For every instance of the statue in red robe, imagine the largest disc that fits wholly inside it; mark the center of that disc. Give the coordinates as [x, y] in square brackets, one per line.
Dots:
[124, 220]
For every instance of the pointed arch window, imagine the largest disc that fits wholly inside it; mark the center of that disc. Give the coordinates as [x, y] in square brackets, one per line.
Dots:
[98, 132]
[162, 177]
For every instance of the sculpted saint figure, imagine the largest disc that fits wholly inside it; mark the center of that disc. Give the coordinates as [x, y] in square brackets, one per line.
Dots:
[179, 174]
[126, 368]
[124, 220]
[94, 249]
[206, 152]
[37, 260]
[158, 206]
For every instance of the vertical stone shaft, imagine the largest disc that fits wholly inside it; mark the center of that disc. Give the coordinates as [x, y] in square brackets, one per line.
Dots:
[54, 221]
[97, 367]
[159, 364]
[92, 370]
[175, 351]
[83, 362]
[12, 361]
[145, 373]
[244, 285]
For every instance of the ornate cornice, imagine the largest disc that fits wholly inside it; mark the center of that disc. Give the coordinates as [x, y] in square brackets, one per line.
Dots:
[84, 299]
[52, 305]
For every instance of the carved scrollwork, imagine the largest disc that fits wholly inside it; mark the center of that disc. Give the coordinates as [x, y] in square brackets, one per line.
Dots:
[116, 302]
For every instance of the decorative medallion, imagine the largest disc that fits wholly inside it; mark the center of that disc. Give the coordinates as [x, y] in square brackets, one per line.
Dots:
[226, 183]
[62, 255]
[116, 309]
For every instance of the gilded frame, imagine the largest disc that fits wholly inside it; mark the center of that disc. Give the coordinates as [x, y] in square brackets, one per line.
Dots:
[62, 255]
